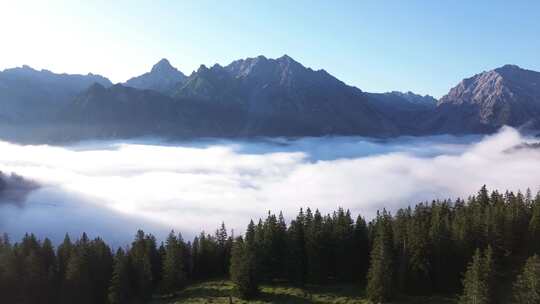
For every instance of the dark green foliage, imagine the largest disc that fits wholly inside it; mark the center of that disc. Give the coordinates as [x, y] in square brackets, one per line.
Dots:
[316, 249]
[361, 249]
[478, 282]
[224, 247]
[63, 254]
[244, 269]
[442, 249]
[77, 286]
[419, 251]
[174, 276]
[120, 287]
[380, 285]
[142, 279]
[534, 227]
[296, 244]
[527, 286]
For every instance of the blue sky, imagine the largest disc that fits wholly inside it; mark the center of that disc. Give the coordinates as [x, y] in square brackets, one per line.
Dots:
[423, 46]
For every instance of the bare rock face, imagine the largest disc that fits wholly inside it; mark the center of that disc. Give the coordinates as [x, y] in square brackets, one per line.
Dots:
[508, 95]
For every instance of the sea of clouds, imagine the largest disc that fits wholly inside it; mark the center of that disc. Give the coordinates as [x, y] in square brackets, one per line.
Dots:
[113, 188]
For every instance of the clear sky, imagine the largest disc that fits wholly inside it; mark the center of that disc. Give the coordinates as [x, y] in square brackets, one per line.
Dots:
[423, 46]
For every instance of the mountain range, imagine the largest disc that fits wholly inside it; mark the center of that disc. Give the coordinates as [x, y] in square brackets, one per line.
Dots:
[253, 97]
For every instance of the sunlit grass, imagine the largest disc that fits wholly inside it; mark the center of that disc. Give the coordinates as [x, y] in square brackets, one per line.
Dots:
[219, 291]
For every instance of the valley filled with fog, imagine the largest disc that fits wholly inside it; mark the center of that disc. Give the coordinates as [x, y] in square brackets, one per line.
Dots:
[113, 188]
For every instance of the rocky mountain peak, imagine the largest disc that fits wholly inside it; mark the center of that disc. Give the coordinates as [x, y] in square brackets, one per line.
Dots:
[163, 66]
[163, 78]
[508, 95]
[286, 58]
[509, 67]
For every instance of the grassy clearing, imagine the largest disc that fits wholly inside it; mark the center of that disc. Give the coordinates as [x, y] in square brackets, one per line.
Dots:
[218, 292]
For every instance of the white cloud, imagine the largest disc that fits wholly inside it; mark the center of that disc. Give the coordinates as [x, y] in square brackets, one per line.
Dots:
[111, 188]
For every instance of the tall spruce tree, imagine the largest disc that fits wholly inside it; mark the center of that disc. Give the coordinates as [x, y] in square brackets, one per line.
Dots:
[173, 267]
[419, 251]
[534, 227]
[527, 286]
[77, 284]
[361, 249]
[243, 270]
[478, 280]
[120, 287]
[224, 243]
[296, 261]
[140, 257]
[380, 277]
[315, 242]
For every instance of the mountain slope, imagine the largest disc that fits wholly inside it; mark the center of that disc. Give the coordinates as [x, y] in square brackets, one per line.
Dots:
[280, 97]
[28, 95]
[118, 111]
[162, 78]
[508, 95]
[123, 112]
[405, 110]
[254, 97]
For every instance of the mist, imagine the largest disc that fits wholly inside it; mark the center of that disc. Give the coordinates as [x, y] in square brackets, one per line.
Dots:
[113, 188]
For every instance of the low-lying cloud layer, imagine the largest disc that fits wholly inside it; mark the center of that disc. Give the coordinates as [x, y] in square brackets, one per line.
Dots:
[113, 188]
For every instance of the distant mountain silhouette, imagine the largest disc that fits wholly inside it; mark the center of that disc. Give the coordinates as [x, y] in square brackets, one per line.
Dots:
[28, 95]
[280, 97]
[405, 110]
[162, 78]
[253, 97]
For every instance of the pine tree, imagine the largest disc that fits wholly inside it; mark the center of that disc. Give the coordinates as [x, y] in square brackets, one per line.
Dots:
[10, 273]
[380, 275]
[243, 270]
[442, 257]
[478, 280]
[63, 254]
[173, 268]
[527, 286]
[119, 289]
[140, 257]
[100, 261]
[361, 249]
[50, 272]
[156, 263]
[534, 227]
[419, 251]
[343, 244]
[315, 249]
[296, 245]
[77, 285]
[224, 250]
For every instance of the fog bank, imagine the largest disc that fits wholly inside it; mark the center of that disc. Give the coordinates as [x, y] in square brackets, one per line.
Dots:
[112, 188]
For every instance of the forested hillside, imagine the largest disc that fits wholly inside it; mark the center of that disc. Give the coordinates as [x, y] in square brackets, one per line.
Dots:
[481, 249]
